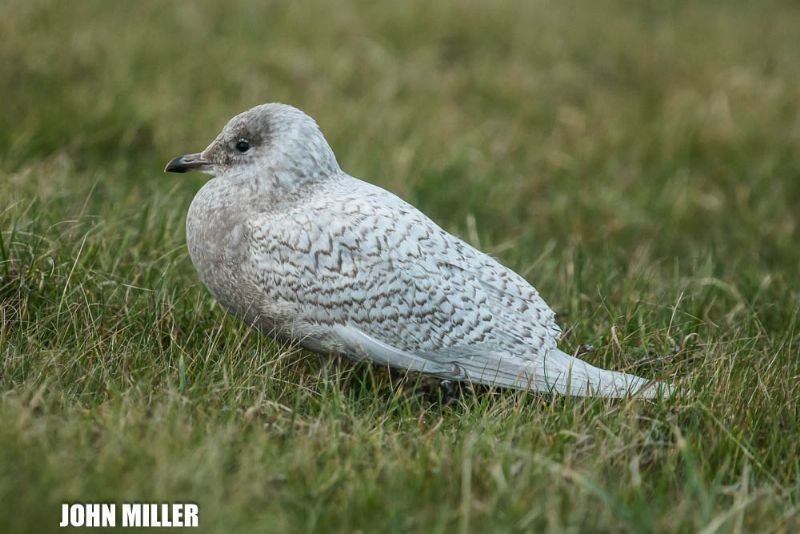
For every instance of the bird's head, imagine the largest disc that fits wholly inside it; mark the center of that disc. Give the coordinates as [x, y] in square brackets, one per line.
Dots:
[270, 140]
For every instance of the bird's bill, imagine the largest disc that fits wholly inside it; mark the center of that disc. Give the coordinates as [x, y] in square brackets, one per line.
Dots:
[187, 163]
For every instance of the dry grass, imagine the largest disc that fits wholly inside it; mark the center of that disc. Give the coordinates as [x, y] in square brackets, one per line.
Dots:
[637, 161]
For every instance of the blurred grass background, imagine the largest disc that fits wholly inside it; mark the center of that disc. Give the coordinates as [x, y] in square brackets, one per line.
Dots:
[637, 161]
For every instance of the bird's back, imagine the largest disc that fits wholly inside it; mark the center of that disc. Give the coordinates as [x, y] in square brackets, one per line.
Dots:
[354, 254]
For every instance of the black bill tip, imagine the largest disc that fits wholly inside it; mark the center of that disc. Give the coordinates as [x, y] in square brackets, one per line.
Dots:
[178, 164]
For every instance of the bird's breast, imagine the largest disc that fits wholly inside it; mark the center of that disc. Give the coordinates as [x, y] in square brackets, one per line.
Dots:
[217, 236]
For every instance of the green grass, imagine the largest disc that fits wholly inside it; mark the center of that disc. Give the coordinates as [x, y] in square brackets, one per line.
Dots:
[639, 162]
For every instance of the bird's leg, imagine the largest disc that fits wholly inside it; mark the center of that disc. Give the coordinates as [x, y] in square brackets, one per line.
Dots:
[325, 361]
[448, 391]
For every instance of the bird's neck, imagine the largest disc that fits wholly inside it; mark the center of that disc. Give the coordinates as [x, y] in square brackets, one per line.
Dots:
[273, 188]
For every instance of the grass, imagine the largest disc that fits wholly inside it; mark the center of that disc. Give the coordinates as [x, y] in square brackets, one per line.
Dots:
[637, 161]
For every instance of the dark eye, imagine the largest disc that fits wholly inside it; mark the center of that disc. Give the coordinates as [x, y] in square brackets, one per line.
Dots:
[242, 145]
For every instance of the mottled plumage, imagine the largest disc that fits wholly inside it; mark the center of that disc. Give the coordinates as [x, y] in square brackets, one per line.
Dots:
[288, 242]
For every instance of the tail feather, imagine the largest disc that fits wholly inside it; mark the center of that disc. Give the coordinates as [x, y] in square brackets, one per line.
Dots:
[559, 372]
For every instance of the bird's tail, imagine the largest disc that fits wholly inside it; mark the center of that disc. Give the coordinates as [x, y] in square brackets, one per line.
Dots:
[559, 372]
[556, 372]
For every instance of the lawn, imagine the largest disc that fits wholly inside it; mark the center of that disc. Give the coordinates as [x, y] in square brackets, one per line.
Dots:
[638, 162]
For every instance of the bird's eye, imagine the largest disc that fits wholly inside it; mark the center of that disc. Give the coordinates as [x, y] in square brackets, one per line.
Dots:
[242, 145]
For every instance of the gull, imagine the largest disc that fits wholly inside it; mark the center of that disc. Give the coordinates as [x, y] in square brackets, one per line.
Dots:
[288, 242]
